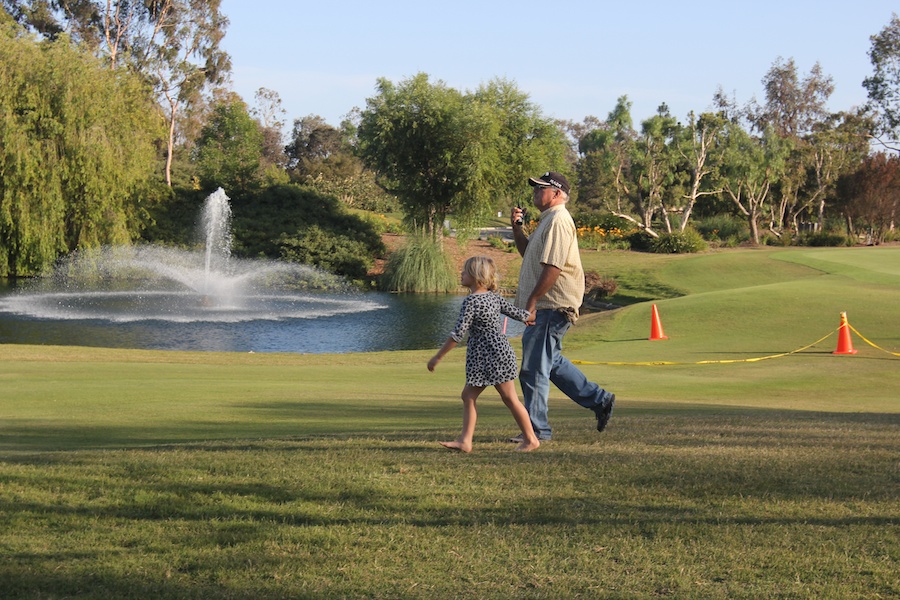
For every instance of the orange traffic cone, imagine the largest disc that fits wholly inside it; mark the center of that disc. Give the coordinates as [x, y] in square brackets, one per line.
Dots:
[845, 344]
[656, 330]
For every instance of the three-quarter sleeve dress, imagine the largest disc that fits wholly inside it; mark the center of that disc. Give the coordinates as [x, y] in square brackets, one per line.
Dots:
[490, 359]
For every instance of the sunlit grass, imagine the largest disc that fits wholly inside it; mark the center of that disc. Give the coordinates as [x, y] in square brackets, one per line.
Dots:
[140, 474]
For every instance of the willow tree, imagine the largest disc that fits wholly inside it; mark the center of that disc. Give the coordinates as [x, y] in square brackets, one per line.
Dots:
[526, 143]
[77, 146]
[175, 44]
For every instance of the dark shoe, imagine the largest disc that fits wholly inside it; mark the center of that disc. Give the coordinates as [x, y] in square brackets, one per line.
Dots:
[603, 414]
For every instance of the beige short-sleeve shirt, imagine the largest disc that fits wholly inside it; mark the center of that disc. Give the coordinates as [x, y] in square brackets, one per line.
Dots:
[554, 242]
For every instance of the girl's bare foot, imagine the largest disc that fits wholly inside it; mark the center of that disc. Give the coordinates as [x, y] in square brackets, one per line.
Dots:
[527, 446]
[457, 445]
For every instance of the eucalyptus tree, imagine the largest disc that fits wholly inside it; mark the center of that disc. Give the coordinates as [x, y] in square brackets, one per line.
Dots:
[793, 110]
[605, 153]
[182, 56]
[883, 85]
[654, 165]
[269, 112]
[750, 167]
[837, 146]
[697, 144]
[77, 147]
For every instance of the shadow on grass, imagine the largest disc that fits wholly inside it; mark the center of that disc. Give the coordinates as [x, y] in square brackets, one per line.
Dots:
[242, 505]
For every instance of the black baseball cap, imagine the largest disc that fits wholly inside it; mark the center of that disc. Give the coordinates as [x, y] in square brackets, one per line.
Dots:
[553, 178]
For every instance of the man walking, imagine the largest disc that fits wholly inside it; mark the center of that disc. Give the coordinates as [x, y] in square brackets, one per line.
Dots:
[551, 288]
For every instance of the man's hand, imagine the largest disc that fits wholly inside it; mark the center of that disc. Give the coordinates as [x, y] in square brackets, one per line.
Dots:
[517, 217]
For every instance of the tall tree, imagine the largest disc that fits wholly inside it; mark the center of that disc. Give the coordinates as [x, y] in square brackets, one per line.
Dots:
[182, 57]
[425, 141]
[883, 85]
[80, 19]
[794, 109]
[653, 166]
[697, 144]
[229, 150]
[441, 151]
[269, 112]
[175, 44]
[314, 149]
[836, 146]
[605, 165]
[77, 145]
[526, 143]
[751, 166]
[872, 195]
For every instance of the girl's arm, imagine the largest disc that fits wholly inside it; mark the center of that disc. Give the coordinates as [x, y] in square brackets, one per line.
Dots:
[449, 345]
[507, 308]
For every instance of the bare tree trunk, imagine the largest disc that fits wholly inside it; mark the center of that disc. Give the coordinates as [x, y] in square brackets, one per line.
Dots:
[648, 230]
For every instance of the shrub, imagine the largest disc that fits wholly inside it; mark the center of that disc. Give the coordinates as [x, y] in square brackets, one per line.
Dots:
[771, 239]
[638, 240]
[335, 253]
[261, 219]
[723, 228]
[420, 265]
[824, 238]
[679, 242]
[499, 243]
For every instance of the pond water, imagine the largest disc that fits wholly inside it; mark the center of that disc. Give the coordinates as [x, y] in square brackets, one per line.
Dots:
[363, 322]
[163, 298]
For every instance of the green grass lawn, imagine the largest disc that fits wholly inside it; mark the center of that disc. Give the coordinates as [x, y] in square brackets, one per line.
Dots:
[138, 474]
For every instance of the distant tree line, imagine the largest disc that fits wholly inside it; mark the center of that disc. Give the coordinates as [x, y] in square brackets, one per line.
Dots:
[116, 121]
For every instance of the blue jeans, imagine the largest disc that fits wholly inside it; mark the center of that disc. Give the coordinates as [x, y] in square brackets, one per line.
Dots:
[543, 363]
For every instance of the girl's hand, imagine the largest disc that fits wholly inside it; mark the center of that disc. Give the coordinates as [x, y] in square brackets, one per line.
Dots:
[433, 363]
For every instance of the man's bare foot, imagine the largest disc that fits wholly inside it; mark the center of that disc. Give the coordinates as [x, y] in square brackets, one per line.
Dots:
[457, 445]
[527, 446]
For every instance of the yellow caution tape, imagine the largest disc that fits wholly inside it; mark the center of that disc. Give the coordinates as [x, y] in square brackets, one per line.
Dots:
[853, 329]
[737, 360]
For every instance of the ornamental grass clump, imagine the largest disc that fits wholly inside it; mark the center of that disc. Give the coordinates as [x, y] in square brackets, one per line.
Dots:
[420, 265]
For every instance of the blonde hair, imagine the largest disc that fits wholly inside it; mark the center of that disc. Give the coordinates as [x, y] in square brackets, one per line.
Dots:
[483, 270]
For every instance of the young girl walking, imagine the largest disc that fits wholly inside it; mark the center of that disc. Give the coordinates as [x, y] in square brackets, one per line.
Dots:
[490, 359]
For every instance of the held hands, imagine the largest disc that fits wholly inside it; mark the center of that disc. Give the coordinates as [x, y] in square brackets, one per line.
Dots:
[531, 307]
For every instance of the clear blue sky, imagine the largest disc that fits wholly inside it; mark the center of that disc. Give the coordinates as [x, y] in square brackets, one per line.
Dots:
[573, 58]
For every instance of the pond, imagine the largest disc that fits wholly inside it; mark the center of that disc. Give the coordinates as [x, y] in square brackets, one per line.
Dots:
[366, 322]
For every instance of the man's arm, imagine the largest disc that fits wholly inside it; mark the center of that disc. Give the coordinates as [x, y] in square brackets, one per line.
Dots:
[548, 277]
